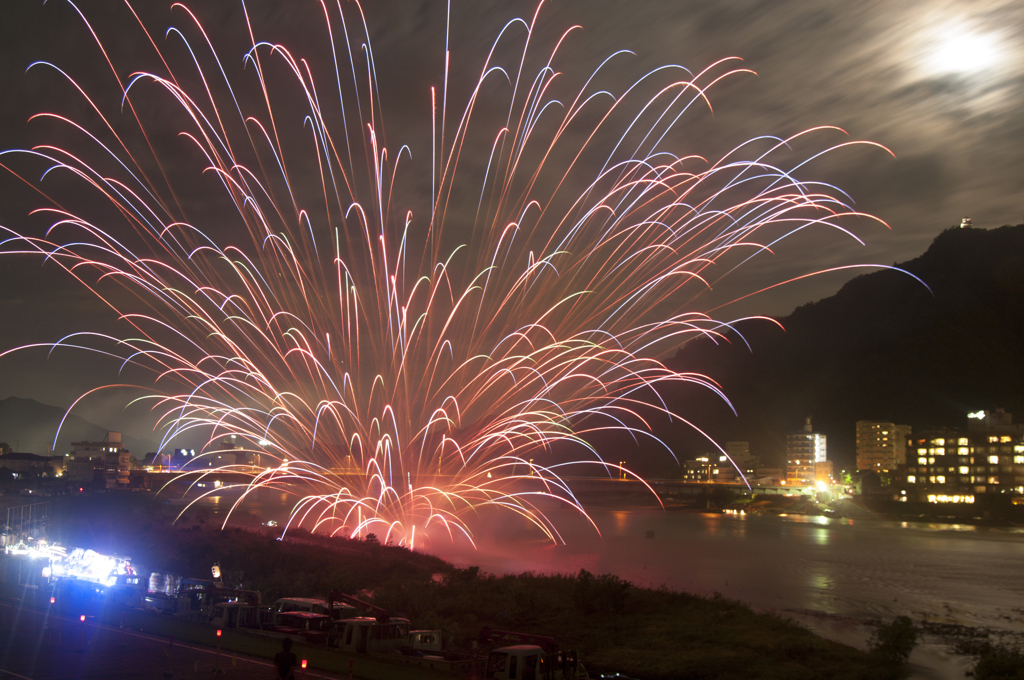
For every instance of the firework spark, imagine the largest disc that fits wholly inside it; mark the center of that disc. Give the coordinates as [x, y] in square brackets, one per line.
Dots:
[412, 333]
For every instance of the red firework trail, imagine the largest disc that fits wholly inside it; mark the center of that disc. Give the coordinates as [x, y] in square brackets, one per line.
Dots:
[407, 352]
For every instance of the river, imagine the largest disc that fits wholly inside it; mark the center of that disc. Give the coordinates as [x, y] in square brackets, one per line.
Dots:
[830, 574]
[861, 568]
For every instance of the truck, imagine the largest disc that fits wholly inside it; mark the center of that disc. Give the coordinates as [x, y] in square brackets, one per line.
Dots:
[535, 657]
[374, 634]
[303, 626]
[531, 662]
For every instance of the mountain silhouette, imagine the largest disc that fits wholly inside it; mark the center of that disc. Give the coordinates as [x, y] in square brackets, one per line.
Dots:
[30, 426]
[922, 347]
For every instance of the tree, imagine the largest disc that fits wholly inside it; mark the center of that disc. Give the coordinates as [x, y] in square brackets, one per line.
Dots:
[894, 641]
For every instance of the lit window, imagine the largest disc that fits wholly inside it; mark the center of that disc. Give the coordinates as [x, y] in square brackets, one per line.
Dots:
[932, 479]
[931, 461]
[993, 480]
[993, 460]
[922, 450]
[943, 498]
[939, 442]
[993, 440]
[911, 479]
[941, 479]
[964, 470]
[922, 461]
[1005, 439]
[963, 441]
[1019, 448]
[1019, 460]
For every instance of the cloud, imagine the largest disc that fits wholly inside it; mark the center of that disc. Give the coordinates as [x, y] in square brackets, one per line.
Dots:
[858, 64]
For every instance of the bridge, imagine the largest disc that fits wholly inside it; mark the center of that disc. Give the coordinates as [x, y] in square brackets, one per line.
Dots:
[584, 486]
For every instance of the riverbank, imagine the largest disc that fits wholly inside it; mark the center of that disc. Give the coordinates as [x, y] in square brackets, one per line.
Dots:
[993, 513]
[615, 626]
[944, 651]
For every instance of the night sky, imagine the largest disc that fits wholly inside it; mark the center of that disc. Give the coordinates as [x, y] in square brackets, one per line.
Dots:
[938, 82]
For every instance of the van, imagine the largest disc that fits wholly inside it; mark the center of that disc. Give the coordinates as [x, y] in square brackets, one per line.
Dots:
[530, 662]
[425, 641]
[307, 626]
[234, 615]
[365, 635]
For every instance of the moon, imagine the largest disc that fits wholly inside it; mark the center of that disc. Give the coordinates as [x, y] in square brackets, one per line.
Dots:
[960, 49]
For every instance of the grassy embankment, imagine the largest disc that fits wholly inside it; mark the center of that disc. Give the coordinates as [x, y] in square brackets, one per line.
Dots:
[614, 626]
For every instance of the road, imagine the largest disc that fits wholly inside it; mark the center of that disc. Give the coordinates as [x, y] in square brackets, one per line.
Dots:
[35, 646]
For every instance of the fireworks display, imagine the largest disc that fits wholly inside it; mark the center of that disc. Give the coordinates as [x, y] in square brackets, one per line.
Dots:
[410, 333]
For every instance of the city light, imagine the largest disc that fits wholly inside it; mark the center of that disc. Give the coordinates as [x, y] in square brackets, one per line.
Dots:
[956, 498]
[89, 565]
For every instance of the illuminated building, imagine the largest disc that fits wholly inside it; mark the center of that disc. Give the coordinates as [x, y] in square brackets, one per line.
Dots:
[957, 466]
[28, 465]
[803, 451]
[697, 470]
[823, 472]
[881, 447]
[105, 463]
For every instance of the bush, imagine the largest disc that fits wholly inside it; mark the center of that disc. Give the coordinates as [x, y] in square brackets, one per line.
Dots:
[604, 593]
[895, 641]
[1000, 663]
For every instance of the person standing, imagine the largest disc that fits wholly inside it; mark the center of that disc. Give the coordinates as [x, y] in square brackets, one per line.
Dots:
[285, 661]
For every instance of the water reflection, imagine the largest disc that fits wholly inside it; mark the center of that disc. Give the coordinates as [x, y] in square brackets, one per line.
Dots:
[821, 536]
[711, 526]
[862, 569]
[621, 521]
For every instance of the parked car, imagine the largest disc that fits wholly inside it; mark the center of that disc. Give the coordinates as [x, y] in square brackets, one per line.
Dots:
[313, 628]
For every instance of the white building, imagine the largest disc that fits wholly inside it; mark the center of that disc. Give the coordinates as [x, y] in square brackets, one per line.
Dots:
[105, 462]
[805, 451]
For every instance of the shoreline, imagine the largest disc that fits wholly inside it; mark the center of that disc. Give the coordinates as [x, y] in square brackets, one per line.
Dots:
[944, 651]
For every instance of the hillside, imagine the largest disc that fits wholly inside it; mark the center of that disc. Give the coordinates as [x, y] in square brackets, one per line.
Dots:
[28, 425]
[884, 347]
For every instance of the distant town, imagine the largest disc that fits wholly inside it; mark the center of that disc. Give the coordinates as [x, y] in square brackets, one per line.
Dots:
[948, 465]
[944, 466]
